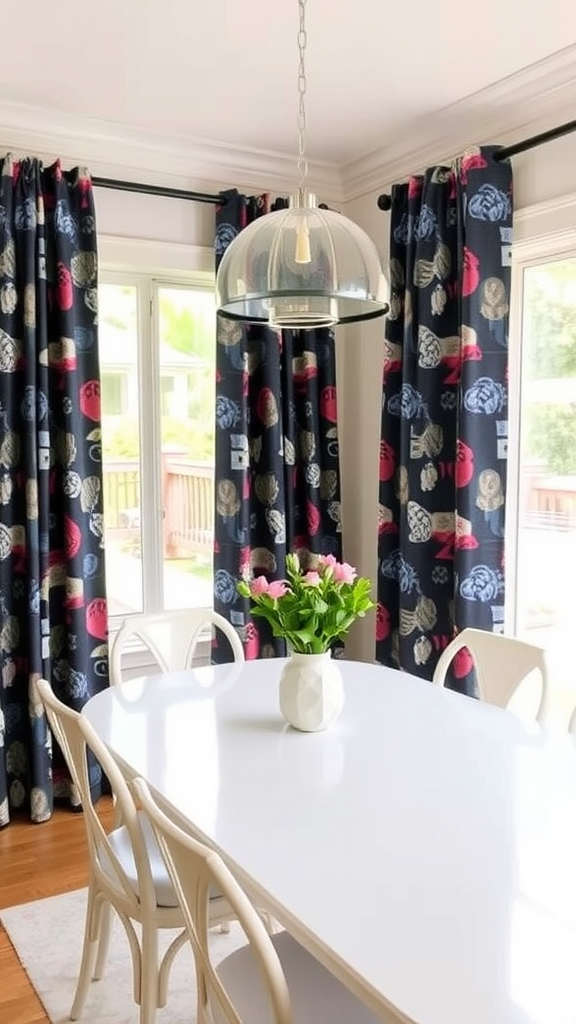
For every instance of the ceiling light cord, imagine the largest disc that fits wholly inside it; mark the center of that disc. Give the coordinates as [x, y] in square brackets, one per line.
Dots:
[301, 267]
[302, 43]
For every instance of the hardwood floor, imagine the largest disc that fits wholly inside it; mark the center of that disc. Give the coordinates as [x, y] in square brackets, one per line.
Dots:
[37, 861]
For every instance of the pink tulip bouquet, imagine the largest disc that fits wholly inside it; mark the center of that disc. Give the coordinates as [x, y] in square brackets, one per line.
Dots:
[310, 610]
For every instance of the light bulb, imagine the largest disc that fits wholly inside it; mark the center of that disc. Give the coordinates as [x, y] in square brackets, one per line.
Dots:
[302, 254]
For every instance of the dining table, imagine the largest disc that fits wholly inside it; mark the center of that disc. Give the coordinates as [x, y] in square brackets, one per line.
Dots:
[423, 847]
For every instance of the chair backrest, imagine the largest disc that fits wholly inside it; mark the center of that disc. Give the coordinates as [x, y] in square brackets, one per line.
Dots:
[501, 664]
[75, 737]
[194, 869]
[171, 638]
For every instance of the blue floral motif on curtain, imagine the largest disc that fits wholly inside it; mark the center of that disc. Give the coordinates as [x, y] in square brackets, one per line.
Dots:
[52, 590]
[277, 480]
[444, 414]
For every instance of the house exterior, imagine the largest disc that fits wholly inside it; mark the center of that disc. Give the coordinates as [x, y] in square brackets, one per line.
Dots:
[117, 361]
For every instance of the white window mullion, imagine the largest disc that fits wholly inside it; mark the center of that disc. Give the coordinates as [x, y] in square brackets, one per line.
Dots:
[513, 461]
[151, 463]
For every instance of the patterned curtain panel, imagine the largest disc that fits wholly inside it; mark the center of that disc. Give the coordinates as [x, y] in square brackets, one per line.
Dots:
[54, 619]
[444, 413]
[277, 472]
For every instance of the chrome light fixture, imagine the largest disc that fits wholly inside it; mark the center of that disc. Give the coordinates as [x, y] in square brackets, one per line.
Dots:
[301, 267]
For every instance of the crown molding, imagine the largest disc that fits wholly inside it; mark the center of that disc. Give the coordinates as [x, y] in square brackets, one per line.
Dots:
[544, 93]
[119, 151]
[532, 100]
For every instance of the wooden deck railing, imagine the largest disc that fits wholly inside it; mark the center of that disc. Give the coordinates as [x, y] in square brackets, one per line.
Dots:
[189, 507]
[122, 494]
[188, 489]
[550, 500]
[188, 492]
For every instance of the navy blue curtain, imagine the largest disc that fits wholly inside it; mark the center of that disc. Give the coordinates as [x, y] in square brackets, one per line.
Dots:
[277, 470]
[52, 585]
[444, 413]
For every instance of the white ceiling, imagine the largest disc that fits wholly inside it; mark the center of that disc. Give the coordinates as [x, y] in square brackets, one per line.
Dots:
[225, 72]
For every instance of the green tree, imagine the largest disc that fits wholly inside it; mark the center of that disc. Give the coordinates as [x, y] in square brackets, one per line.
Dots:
[186, 325]
[550, 437]
[187, 322]
[549, 355]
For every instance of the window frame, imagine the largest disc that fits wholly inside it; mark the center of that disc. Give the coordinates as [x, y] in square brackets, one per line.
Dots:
[150, 266]
[528, 252]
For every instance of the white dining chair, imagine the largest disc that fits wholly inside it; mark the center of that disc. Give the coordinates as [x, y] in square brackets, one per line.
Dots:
[270, 972]
[501, 664]
[171, 637]
[127, 872]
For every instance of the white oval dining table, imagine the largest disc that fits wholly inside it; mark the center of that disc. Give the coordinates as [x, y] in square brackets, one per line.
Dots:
[423, 848]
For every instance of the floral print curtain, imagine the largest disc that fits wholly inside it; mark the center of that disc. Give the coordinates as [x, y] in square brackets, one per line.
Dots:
[52, 596]
[444, 413]
[277, 481]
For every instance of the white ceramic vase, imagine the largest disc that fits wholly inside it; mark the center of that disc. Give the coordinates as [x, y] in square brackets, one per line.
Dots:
[311, 691]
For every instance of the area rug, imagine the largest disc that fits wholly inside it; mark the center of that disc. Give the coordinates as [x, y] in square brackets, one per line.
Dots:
[47, 936]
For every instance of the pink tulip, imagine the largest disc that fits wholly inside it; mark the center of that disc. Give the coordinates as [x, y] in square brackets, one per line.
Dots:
[344, 573]
[311, 578]
[328, 560]
[259, 586]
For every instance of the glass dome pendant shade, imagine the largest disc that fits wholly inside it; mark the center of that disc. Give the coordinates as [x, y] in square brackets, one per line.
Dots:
[301, 267]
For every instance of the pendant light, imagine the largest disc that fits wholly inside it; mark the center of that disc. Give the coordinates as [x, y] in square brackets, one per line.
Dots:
[301, 267]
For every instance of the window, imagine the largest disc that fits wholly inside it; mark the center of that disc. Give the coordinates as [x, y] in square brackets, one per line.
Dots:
[157, 345]
[113, 393]
[541, 520]
[167, 387]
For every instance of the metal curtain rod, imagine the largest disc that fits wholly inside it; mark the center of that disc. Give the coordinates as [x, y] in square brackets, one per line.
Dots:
[168, 193]
[159, 190]
[384, 201]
